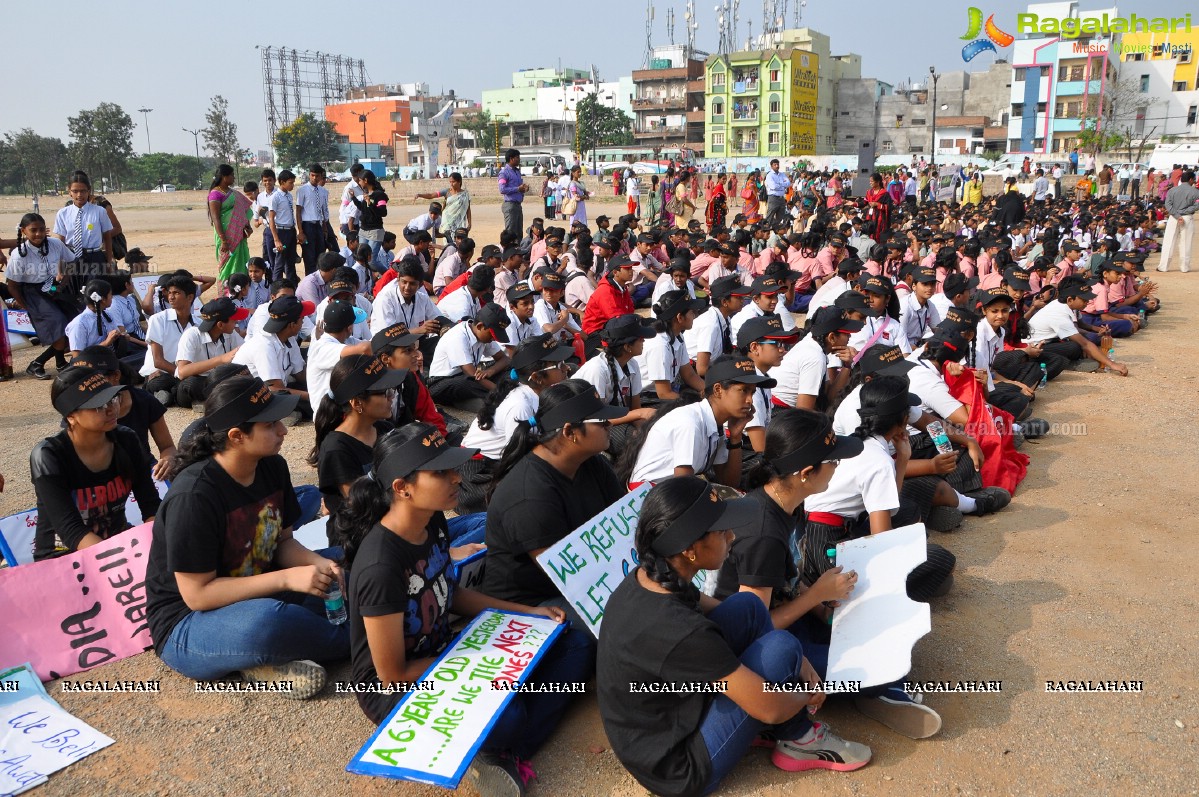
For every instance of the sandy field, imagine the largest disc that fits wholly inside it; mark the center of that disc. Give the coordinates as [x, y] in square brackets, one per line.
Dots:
[1083, 577]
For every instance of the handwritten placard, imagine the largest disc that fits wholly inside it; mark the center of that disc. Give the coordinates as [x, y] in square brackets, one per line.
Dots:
[80, 610]
[36, 736]
[18, 321]
[432, 735]
[144, 283]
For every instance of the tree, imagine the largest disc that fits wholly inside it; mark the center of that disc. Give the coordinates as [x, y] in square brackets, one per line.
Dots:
[220, 133]
[1093, 139]
[479, 125]
[185, 171]
[102, 142]
[1105, 115]
[601, 126]
[306, 140]
[36, 163]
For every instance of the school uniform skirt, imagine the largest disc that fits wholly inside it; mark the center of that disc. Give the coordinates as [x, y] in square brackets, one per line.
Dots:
[48, 319]
[1018, 367]
[964, 478]
[619, 438]
[822, 533]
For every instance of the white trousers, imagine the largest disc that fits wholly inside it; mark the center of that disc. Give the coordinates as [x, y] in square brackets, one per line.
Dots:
[1181, 234]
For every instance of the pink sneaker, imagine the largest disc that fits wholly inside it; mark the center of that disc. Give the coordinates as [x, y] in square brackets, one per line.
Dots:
[819, 748]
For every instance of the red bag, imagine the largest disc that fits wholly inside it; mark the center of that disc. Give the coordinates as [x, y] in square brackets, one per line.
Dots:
[992, 427]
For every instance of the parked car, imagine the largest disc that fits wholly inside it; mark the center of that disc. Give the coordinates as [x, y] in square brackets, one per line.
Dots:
[162, 189]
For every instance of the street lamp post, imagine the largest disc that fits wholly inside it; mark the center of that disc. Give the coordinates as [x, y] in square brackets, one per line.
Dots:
[933, 148]
[196, 139]
[362, 118]
[145, 112]
[496, 119]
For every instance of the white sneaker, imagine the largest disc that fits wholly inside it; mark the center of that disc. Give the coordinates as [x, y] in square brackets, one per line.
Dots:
[903, 713]
[820, 748]
[307, 678]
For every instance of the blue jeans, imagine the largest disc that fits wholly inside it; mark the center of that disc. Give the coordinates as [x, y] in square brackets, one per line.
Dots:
[308, 496]
[289, 626]
[465, 529]
[775, 655]
[530, 718]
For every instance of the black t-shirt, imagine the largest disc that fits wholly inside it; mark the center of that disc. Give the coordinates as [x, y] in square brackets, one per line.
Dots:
[653, 638]
[393, 576]
[210, 523]
[343, 458]
[74, 501]
[533, 507]
[144, 412]
[763, 554]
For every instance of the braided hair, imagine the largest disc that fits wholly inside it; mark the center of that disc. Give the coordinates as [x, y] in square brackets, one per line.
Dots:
[879, 390]
[26, 220]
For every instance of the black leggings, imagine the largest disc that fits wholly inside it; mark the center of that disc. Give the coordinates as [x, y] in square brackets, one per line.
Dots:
[1018, 366]
[1010, 399]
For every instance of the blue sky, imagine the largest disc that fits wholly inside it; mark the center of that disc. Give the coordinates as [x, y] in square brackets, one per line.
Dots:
[173, 57]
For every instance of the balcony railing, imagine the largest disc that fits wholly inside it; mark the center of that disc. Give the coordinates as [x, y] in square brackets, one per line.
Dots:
[746, 86]
[660, 102]
[745, 116]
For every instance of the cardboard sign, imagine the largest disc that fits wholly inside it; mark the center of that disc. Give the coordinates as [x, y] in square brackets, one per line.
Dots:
[18, 321]
[143, 284]
[17, 531]
[433, 734]
[80, 610]
[37, 737]
[874, 631]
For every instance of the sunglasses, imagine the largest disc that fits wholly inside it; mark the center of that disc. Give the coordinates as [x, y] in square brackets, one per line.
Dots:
[389, 392]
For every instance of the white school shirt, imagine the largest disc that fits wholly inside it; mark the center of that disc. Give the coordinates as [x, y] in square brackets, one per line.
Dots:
[892, 334]
[459, 304]
[846, 419]
[751, 310]
[425, 222]
[390, 308]
[262, 205]
[520, 331]
[763, 405]
[268, 358]
[95, 224]
[285, 212]
[34, 268]
[323, 354]
[519, 405]
[640, 264]
[164, 329]
[665, 284]
[929, 385]
[661, 360]
[1054, 320]
[865, 483]
[460, 347]
[705, 334]
[544, 314]
[827, 294]
[579, 287]
[348, 210]
[916, 320]
[802, 371]
[81, 330]
[262, 314]
[940, 303]
[196, 346]
[987, 345]
[360, 331]
[684, 437]
[599, 375]
[313, 201]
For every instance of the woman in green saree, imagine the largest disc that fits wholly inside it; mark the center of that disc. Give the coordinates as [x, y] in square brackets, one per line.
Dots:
[229, 213]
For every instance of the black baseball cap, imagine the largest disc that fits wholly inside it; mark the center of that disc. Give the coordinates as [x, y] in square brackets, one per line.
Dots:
[646, 238]
[704, 513]
[428, 450]
[875, 284]
[97, 358]
[992, 295]
[765, 285]
[393, 337]
[680, 264]
[1114, 265]
[1070, 246]
[956, 282]
[86, 389]
[738, 369]
[136, 255]
[371, 375]
[836, 239]
[924, 274]
[340, 316]
[674, 303]
[510, 253]
[553, 241]
[286, 310]
[959, 319]
[851, 300]
[553, 281]
[1077, 291]
[255, 404]
[495, 318]
[620, 261]
[218, 310]
[727, 286]
[341, 283]
[1017, 278]
[540, 349]
[627, 327]
[768, 326]
[848, 266]
[606, 242]
[520, 290]
[884, 360]
[832, 319]
[831, 446]
[586, 406]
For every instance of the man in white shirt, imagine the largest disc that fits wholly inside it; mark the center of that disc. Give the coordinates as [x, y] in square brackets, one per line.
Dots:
[803, 376]
[336, 341]
[551, 315]
[917, 315]
[162, 337]
[202, 348]
[262, 209]
[646, 269]
[777, 184]
[274, 355]
[451, 266]
[1055, 329]
[632, 186]
[456, 374]
[348, 213]
[312, 212]
[1040, 188]
[465, 302]
[711, 334]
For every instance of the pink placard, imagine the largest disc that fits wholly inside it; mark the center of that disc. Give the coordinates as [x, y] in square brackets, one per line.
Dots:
[78, 611]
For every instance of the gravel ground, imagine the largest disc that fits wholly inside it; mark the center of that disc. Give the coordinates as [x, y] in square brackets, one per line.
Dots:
[1065, 584]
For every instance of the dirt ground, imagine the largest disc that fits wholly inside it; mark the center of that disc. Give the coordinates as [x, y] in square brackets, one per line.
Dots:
[1068, 583]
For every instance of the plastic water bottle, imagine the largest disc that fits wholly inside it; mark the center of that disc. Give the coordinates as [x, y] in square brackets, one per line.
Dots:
[1141, 313]
[335, 604]
[936, 430]
[1044, 377]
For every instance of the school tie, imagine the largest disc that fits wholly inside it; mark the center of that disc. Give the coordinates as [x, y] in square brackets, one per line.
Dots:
[77, 234]
[725, 340]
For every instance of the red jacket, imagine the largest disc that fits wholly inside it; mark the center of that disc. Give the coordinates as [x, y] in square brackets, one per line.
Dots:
[608, 302]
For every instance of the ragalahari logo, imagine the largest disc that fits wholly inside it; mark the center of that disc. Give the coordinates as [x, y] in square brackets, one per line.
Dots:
[974, 26]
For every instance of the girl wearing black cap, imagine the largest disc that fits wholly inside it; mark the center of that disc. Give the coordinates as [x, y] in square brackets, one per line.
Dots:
[801, 455]
[399, 350]
[665, 366]
[348, 423]
[536, 365]
[228, 587]
[83, 475]
[617, 382]
[682, 678]
[882, 325]
[403, 591]
[864, 496]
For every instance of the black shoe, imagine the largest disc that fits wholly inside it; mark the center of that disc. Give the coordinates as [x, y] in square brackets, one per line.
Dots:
[989, 500]
[1034, 428]
[38, 371]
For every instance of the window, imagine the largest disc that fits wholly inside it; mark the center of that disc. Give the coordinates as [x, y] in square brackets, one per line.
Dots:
[775, 75]
[1063, 73]
[1192, 112]
[1044, 71]
[898, 120]
[845, 113]
[976, 132]
[718, 139]
[1040, 107]
[1144, 84]
[1137, 57]
[945, 143]
[1017, 109]
[1059, 109]
[1013, 145]
[1018, 75]
[917, 148]
[918, 122]
[772, 139]
[1184, 57]
[1077, 72]
[1180, 85]
[849, 137]
[717, 79]
[774, 106]
[1038, 143]
[888, 146]
[1057, 145]
[718, 108]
